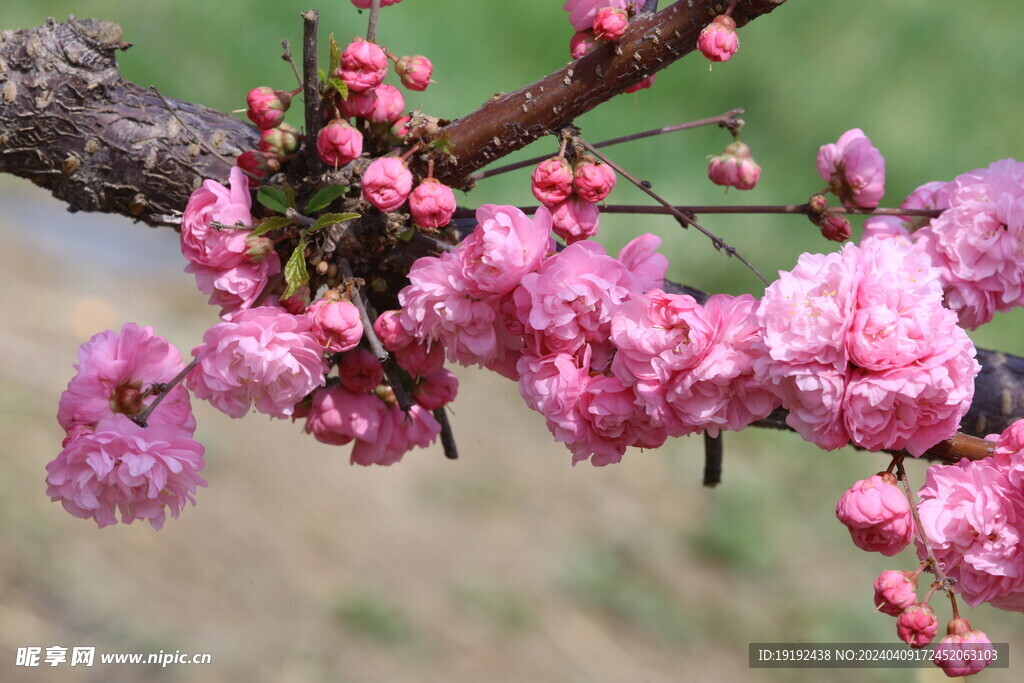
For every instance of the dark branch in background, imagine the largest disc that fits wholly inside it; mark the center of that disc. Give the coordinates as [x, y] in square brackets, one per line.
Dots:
[512, 121]
[311, 92]
[647, 6]
[712, 460]
[451, 451]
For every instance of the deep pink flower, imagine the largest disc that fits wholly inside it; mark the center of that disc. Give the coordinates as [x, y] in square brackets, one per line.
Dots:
[436, 390]
[964, 651]
[610, 23]
[258, 164]
[363, 65]
[267, 106]
[359, 371]
[261, 357]
[359, 104]
[337, 416]
[877, 513]
[388, 328]
[895, 591]
[335, 325]
[505, 245]
[432, 204]
[114, 370]
[338, 143]
[917, 624]
[734, 167]
[551, 181]
[415, 72]
[582, 43]
[854, 169]
[593, 181]
[420, 359]
[399, 433]
[575, 219]
[611, 421]
[122, 468]
[718, 41]
[205, 245]
[582, 12]
[387, 183]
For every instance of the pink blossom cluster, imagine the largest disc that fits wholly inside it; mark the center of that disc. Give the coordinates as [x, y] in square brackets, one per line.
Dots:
[572, 194]
[859, 348]
[109, 465]
[854, 170]
[219, 256]
[972, 514]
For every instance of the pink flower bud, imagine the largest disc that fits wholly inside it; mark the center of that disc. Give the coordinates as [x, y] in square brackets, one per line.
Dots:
[593, 181]
[360, 371]
[388, 328]
[258, 164]
[835, 227]
[384, 104]
[642, 85]
[895, 591]
[734, 167]
[363, 66]
[280, 141]
[387, 183]
[415, 72]
[964, 651]
[335, 325]
[296, 304]
[432, 204]
[420, 361]
[719, 41]
[258, 247]
[582, 43]
[400, 128]
[338, 143]
[916, 625]
[551, 181]
[365, 4]
[877, 514]
[610, 23]
[267, 106]
[436, 390]
[575, 219]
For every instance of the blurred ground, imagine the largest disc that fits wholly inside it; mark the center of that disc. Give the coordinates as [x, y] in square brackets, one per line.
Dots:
[509, 564]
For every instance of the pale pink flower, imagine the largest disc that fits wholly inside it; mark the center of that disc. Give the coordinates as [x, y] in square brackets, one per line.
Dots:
[854, 169]
[432, 204]
[812, 393]
[261, 357]
[552, 385]
[387, 183]
[505, 245]
[964, 651]
[610, 23]
[884, 228]
[917, 624]
[235, 288]
[389, 330]
[582, 43]
[363, 65]
[335, 325]
[640, 257]
[933, 195]
[359, 371]
[338, 143]
[551, 181]
[734, 167]
[337, 416]
[718, 41]
[399, 433]
[114, 370]
[895, 591]
[877, 513]
[582, 12]
[122, 468]
[414, 71]
[611, 421]
[267, 106]
[593, 181]
[436, 390]
[575, 219]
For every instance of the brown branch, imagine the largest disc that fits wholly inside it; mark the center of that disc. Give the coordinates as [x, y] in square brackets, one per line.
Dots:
[311, 92]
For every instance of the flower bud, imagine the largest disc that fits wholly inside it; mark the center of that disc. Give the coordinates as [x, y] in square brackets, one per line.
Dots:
[734, 167]
[916, 625]
[835, 227]
[964, 651]
[719, 41]
[296, 304]
[380, 105]
[360, 371]
[610, 23]
[387, 183]
[415, 72]
[267, 106]
[338, 143]
[895, 591]
[363, 65]
[877, 514]
[582, 43]
[390, 331]
[593, 181]
[551, 181]
[258, 164]
[257, 247]
[436, 390]
[400, 128]
[419, 360]
[280, 141]
[335, 325]
[432, 204]
[575, 219]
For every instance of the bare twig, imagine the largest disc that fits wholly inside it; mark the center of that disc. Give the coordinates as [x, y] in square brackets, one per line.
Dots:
[800, 209]
[311, 92]
[287, 56]
[451, 451]
[163, 390]
[371, 28]
[901, 472]
[712, 460]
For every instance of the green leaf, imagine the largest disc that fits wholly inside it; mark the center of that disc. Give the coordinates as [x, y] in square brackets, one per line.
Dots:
[339, 85]
[295, 273]
[289, 193]
[407, 235]
[323, 198]
[329, 219]
[273, 198]
[335, 55]
[272, 223]
[322, 74]
[443, 144]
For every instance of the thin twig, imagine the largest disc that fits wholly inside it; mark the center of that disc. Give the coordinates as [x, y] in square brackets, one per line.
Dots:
[683, 219]
[195, 136]
[451, 451]
[765, 209]
[287, 56]
[371, 29]
[311, 92]
[901, 473]
[720, 119]
[712, 460]
[141, 418]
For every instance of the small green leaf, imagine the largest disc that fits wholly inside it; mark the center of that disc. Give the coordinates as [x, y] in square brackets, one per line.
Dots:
[273, 198]
[339, 85]
[322, 74]
[329, 219]
[335, 55]
[323, 198]
[289, 193]
[407, 235]
[443, 144]
[272, 223]
[295, 273]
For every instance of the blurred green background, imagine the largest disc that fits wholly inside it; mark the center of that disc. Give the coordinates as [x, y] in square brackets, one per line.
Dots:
[509, 564]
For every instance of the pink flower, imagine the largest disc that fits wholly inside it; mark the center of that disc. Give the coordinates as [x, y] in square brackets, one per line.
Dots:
[121, 467]
[582, 43]
[335, 325]
[641, 258]
[365, 4]
[552, 385]
[642, 85]
[964, 651]
[611, 421]
[593, 181]
[388, 328]
[267, 106]
[399, 433]
[933, 195]
[718, 40]
[432, 204]
[261, 357]
[419, 359]
[610, 23]
[359, 104]
[363, 65]
[201, 243]
[114, 371]
[734, 168]
[280, 141]
[551, 181]
[436, 390]
[415, 72]
[575, 219]
[236, 288]
[337, 416]
[854, 170]
[884, 228]
[505, 245]
[359, 371]
[973, 516]
[582, 12]
[877, 514]
[895, 591]
[387, 183]
[383, 104]
[916, 625]
[338, 143]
